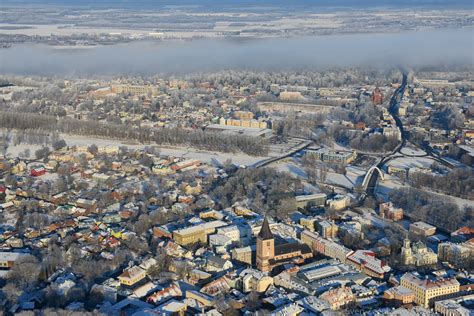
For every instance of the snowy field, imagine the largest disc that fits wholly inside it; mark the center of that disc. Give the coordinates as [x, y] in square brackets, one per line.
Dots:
[353, 177]
[412, 151]
[411, 162]
[186, 152]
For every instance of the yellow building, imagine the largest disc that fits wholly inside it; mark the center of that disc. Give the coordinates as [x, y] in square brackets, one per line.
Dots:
[339, 203]
[402, 111]
[244, 123]
[253, 280]
[138, 90]
[327, 229]
[291, 96]
[426, 290]
[193, 190]
[400, 294]
[198, 233]
[132, 276]
[244, 115]
[309, 223]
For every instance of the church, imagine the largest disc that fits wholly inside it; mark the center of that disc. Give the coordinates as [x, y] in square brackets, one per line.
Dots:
[270, 255]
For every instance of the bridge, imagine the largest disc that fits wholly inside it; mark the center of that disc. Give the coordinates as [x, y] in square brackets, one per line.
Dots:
[371, 177]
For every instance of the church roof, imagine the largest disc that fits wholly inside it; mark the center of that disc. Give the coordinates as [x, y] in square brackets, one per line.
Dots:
[288, 248]
[265, 232]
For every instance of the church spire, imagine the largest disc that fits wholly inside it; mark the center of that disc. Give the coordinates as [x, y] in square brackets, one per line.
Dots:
[265, 232]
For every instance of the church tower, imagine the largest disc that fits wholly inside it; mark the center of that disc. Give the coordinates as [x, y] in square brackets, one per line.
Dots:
[406, 254]
[265, 247]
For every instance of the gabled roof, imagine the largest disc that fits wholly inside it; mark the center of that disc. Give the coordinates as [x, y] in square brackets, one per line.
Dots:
[265, 232]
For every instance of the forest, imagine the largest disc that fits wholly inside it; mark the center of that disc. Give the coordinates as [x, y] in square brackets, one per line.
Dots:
[431, 208]
[264, 190]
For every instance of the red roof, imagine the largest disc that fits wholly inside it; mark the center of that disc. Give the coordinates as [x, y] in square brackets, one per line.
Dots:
[466, 230]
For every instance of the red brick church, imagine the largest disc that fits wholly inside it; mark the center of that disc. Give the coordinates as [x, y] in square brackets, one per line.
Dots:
[270, 256]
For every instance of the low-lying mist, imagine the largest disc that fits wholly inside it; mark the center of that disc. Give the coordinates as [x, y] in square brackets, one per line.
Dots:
[434, 47]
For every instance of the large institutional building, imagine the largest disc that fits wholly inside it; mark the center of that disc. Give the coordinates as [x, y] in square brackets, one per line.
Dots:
[270, 256]
[426, 290]
[198, 233]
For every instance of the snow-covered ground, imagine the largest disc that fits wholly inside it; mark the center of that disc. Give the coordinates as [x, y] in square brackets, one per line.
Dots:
[411, 162]
[353, 177]
[19, 150]
[177, 151]
[412, 151]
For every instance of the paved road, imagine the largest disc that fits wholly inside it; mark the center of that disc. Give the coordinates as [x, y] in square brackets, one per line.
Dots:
[397, 152]
[394, 102]
[292, 151]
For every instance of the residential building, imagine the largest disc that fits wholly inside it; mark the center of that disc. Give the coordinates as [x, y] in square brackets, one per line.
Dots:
[232, 231]
[339, 202]
[377, 96]
[459, 255]
[327, 229]
[244, 254]
[387, 210]
[399, 295]
[453, 307]
[392, 131]
[254, 280]
[172, 307]
[244, 115]
[462, 234]
[8, 259]
[168, 292]
[292, 309]
[339, 297]
[422, 229]
[324, 246]
[366, 262]
[308, 223]
[132, 275]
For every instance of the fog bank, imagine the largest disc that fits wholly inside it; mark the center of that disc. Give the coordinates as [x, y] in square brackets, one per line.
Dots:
[147, 58]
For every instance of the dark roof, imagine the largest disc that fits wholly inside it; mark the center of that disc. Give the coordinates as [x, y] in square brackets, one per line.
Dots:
[265, 232]
[216, 261]
[289, 248]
